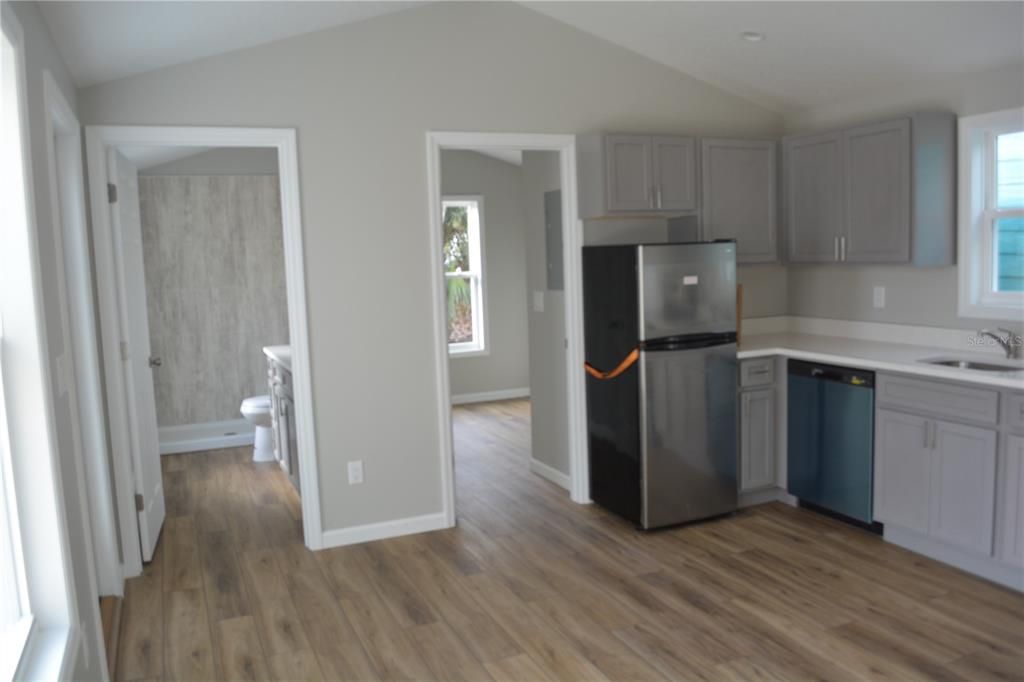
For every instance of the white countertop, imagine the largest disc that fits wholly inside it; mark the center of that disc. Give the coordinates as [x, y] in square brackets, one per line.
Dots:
[877, 355]
[280, 354]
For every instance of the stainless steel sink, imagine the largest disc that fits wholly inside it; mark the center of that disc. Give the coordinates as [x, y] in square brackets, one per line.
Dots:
[975, 365]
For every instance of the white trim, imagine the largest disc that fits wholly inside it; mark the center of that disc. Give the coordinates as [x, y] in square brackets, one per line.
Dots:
[572, 236]
[71, 238]
[766, 496]
[976, 201]
[354, 535]
[490, 396]
[98, 140]
[550, 473]
[230, 433]
[985, 566]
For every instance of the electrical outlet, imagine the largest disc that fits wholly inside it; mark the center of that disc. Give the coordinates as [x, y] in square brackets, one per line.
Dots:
[355, 472]
[879, 297]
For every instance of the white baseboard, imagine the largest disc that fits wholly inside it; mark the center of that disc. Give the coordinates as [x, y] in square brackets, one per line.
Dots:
[984, 566]
[206, 436]
[765, 496]
[340, 537]
[490, 396]
[550, 473]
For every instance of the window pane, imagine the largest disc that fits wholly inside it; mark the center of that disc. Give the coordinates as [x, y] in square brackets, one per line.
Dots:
[456, 239]
[460, 310]
[1010, 171]
[1009, 255]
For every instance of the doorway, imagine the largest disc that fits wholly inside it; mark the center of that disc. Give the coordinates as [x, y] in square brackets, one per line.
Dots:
[567, 349]
[124, 316]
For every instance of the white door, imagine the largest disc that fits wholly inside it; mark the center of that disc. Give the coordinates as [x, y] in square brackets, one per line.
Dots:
[127, 230]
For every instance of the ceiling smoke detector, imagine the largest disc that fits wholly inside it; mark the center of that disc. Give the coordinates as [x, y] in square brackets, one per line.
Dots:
[752, 36]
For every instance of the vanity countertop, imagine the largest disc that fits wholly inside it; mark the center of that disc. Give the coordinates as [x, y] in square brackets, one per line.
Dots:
[280, 354]
[876, 355]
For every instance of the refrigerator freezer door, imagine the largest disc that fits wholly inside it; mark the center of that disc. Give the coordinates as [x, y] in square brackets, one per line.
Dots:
[687, 289]
[688, 434]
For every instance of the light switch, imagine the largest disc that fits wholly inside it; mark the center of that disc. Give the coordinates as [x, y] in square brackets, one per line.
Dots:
[538, 301]
[879, 297]
[355, 472]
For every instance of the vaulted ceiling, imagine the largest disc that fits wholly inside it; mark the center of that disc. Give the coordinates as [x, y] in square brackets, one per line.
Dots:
[811, 54]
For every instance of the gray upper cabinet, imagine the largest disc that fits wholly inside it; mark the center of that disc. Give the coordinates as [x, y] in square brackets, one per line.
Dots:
[877, 202]
[882, 193]
[675, 173]
[621, 174]
[738, 196]
[814, 197]
[628, 169]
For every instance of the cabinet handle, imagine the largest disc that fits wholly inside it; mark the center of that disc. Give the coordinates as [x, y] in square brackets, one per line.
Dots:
[835, 248]
[842, 248]
[657, 194]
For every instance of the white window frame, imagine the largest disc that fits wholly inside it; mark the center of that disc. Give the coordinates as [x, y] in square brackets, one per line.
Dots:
[54, 634]
[977, 295]
[477, 276]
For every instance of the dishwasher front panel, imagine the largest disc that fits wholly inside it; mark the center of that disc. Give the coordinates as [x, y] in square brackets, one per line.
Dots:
[831, 438]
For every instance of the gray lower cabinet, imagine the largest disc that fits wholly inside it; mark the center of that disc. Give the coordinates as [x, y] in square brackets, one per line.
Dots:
[622, 174]
[283, 412]
[757, 439]
[738, 196]
[1010, 510]
[936, 477]
[877, 193]
[813, 176]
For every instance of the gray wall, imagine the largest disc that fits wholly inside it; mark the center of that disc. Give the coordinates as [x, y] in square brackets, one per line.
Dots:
[221, 161]
[506, 366]
[922, 296]
[41, 54]
[215, 290]
[364, 195]
[548, 393]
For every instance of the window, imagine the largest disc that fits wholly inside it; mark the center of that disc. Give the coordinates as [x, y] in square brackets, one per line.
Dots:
[15, 616]
[991, 226]
[462, 223]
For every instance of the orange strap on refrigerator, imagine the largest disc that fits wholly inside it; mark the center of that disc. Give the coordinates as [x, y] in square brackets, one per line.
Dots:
[627, 362]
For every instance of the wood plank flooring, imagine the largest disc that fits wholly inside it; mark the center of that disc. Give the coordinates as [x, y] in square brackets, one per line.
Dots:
[530, 586]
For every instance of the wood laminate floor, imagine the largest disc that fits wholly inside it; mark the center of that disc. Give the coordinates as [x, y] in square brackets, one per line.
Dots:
[530, 586]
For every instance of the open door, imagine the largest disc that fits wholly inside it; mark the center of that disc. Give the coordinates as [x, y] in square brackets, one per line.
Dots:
[135, 351]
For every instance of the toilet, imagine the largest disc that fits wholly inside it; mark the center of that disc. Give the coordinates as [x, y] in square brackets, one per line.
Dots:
[256, 411]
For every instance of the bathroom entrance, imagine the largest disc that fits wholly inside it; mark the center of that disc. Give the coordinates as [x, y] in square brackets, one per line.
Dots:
[200, 285]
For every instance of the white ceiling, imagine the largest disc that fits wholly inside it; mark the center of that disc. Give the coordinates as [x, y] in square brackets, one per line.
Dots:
[814, 53]
[103, 41]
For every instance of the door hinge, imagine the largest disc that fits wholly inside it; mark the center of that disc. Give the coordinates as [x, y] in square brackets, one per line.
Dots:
[124, 351]
[111, 193]
[140, 502]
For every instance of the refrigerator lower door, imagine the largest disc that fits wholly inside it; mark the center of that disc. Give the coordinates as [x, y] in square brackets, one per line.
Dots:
[688, 434]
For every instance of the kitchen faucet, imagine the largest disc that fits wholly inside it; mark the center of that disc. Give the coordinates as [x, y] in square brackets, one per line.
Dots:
[1011, 345]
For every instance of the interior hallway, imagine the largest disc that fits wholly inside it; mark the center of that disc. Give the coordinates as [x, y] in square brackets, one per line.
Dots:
[530, 586]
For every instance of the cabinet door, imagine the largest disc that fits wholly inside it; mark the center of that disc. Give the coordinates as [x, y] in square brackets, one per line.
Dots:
[877, 197]
[757, 439]
[291, 438]
[675, 173]
[963, 486]
[814, 197]
[1010, 507]
[902, 469]
[738, 196]
[628, 165]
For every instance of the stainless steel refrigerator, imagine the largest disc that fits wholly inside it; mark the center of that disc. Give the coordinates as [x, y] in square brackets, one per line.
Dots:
[662, 433]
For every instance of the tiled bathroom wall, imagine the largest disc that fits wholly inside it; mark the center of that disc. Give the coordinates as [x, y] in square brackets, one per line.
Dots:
[215, 290]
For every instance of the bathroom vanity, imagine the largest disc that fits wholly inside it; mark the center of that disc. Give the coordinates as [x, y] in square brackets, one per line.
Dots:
[282, 403]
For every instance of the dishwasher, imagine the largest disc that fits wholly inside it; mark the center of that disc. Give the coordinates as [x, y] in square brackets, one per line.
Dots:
[831, 414]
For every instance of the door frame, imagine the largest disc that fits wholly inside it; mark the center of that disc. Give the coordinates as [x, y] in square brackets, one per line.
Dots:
[572, 239]
[99, 139]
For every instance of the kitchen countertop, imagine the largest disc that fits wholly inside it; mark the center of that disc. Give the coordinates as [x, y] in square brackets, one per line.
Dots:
[280, 354]
[877, 355]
